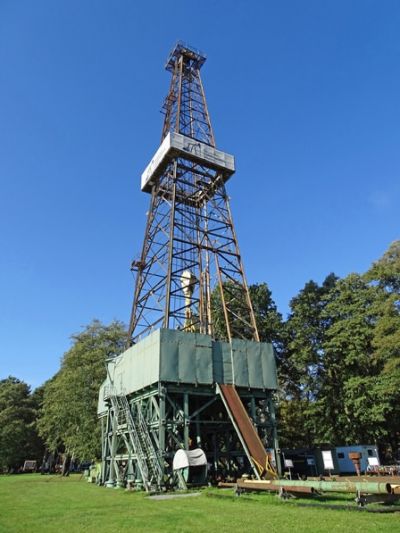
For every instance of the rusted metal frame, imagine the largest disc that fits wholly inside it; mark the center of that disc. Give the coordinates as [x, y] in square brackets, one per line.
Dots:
[247, 293]
[240, 318]
[180, 297]
[225, 240]
[234, 285]
[185, 218]
[218, 232]
[144, 272]
[211, 218]
[170, 257]
[178, 112]
[200, 169]
[202, 119]
[227, 323]
[145, 248]
[235, 267]
[228, 275]
[187, 232]
[231, 305]
[200, 103]
[150, 326]
[154, 283]
[188, 89]
[189, 194]
[180, 270]
[188, 262]
[207, 274]
[235, 296]
[187, 112]
[185, 239]
[189, 217]
[235, 314]
[202, 280]
[210, 190]
[169, 105]
[211, 132]
[220, 209]
[220, 247]
[184, 226]
[239, 333]
[189, 168]
[170, 252]
[177, 312]
[142, 303]
[176, 278]
[236, 306]
[174, 117]
[182, 252]
[198, 173]
[153, 287]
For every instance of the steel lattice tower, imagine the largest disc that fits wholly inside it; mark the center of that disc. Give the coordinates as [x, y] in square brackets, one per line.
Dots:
[190, 246]
[194, 378]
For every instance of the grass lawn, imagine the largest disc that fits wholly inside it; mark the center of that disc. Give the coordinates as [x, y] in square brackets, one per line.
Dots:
[31, 503]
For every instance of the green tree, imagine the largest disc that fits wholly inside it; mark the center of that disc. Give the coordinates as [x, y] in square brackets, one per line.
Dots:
[268, 319]
[385, 275]
[346, 406]
[18, 436]
[68, 417]
[302, 363]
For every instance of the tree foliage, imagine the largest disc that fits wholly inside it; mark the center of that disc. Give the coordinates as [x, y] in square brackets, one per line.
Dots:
[68, 418]
[18, 437]
[338, 355]
[341, 380]
[385, 275]
[268, 319]
[303, 362]
[344, 402]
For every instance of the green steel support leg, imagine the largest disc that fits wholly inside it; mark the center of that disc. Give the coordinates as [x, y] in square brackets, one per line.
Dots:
[104, 447]
[186, 427]
[198, 432]
[271, 409]
[161, 427]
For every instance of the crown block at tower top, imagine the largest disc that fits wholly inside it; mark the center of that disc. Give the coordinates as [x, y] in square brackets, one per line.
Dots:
[178, 145]
[195, 57]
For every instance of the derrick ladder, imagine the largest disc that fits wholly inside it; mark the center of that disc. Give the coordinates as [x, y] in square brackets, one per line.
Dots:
[139, 442]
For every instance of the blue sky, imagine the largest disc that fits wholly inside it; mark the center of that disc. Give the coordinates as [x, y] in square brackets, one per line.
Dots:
[305, 94]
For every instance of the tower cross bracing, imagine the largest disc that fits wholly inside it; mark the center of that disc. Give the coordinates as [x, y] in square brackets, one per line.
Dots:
[190, 236]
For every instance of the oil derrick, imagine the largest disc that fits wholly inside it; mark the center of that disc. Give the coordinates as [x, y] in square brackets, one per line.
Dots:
[194, 386]
[190, 247]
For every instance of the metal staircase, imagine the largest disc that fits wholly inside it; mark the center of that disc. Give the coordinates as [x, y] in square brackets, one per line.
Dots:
[138, 441]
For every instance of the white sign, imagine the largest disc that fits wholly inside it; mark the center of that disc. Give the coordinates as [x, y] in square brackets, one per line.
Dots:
[178, 145]
[373, 461]
[288, 463]
[328, 461]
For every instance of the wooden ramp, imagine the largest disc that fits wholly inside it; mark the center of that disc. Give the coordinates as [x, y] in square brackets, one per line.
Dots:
[247, 432]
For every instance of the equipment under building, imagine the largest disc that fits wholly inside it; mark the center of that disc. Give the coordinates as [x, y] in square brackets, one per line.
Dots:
[195, 380]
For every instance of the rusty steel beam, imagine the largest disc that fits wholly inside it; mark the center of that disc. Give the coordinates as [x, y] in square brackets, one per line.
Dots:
[340, 486]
